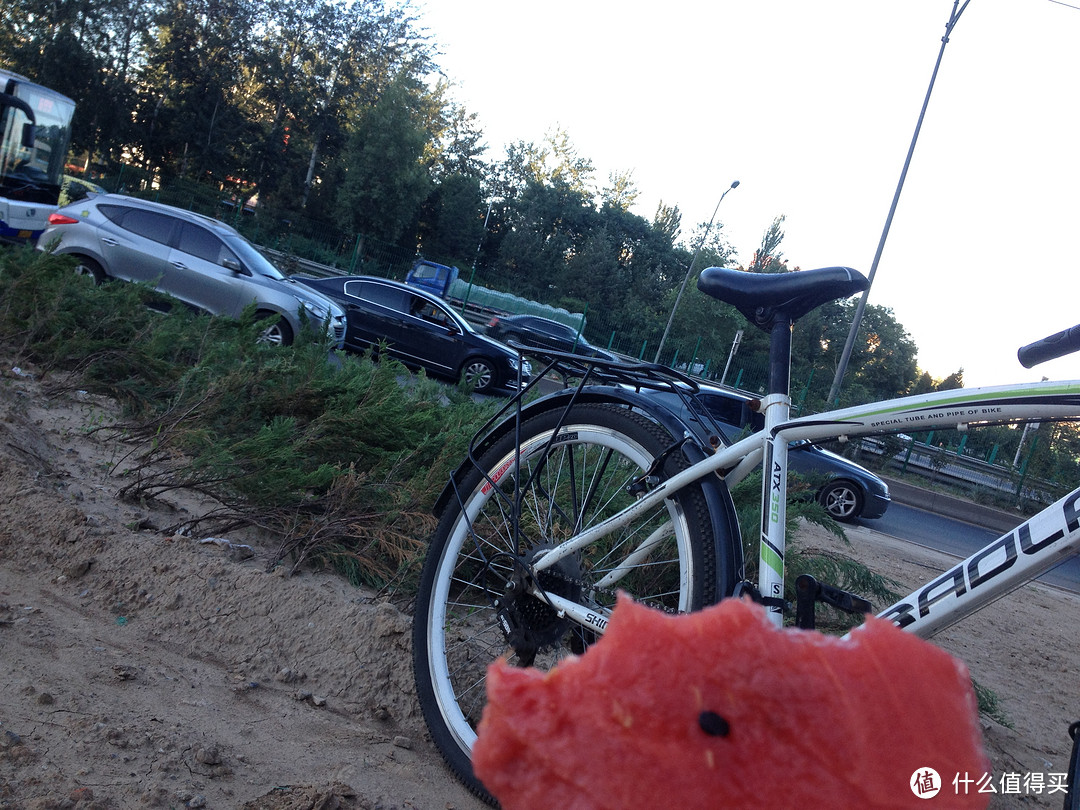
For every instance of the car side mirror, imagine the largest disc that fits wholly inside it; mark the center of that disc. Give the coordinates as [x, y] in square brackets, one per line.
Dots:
[234, 265]
[29, 135]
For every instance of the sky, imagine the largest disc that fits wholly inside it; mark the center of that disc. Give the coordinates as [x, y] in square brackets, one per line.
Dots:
[812, 106]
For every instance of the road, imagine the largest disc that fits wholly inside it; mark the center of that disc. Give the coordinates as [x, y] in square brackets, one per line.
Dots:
[958, 538]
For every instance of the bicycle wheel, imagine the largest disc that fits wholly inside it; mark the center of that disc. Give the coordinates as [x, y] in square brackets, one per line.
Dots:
[666, 559]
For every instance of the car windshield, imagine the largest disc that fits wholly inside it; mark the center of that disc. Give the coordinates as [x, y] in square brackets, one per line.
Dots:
[251, 258]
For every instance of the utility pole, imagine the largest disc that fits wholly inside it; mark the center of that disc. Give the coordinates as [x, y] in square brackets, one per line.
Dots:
[845, 357]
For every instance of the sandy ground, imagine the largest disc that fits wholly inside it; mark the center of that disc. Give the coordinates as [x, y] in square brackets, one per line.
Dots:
[142, 669]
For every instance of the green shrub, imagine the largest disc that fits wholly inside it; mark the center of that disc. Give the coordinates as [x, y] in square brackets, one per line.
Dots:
[339, 458]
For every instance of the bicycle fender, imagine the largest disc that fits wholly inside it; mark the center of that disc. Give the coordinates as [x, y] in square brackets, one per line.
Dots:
[724, 519]
[554, 401]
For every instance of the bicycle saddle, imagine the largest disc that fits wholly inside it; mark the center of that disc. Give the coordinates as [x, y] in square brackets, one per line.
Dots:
[763, 297]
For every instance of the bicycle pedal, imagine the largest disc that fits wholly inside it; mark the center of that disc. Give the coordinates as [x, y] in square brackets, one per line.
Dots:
[808, 592]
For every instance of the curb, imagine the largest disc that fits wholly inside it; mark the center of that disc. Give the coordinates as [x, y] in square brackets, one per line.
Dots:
[950, 506]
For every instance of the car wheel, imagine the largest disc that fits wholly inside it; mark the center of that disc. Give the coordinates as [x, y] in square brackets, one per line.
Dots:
[277, 333]
[478, 374]
[842, 500]
[88, 267]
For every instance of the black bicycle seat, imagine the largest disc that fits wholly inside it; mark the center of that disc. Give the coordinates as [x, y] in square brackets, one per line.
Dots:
[763, 297]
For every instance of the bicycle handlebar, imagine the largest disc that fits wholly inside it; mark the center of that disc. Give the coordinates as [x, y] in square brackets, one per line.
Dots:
[1059, 345]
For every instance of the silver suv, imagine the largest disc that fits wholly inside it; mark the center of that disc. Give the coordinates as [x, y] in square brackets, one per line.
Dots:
[201, 261]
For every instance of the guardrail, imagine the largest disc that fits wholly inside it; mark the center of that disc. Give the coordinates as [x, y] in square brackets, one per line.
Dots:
[937, 463]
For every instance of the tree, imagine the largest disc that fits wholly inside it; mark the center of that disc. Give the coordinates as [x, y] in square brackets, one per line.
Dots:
[384, 176]
[372, 49]
[883, 361]
[555, 161]
[545, 227]
[620, 192]
[768, 258]
[452, 223]
[667, 220]
[85, 51]
[703, 328]
[457, 141]
[952, 382]
[285, 83]
[190, 117]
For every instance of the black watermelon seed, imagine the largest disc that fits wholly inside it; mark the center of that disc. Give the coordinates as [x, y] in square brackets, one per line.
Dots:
[713, 724]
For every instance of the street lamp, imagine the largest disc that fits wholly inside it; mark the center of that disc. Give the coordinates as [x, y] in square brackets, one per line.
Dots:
[690, 269]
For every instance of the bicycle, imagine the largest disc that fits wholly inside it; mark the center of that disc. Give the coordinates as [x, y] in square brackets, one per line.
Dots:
[597, 488]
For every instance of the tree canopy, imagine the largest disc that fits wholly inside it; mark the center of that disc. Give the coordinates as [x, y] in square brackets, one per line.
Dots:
[331, 119]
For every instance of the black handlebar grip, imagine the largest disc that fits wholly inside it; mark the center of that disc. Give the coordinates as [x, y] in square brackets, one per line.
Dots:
[1048, 348]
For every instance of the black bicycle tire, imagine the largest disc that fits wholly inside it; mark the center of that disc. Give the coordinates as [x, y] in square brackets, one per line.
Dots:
[690, 503]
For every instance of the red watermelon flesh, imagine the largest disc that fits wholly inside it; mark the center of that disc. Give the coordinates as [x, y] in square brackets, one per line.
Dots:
[721, 709]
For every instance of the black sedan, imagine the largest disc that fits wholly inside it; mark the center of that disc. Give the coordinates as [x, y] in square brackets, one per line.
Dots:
[847, 490]
[543, 333]
[420, 330]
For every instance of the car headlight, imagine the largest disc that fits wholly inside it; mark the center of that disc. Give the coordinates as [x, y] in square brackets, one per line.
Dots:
[316, 312]
[526, 366]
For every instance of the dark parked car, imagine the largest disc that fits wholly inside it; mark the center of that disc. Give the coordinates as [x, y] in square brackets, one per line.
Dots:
[848, 491]
[198, 260]
[543, 333]
[420, 330]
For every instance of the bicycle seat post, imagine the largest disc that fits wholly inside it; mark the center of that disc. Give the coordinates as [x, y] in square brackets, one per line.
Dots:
[776, 408]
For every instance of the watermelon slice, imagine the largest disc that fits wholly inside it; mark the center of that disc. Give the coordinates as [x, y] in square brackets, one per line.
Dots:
[721, 709]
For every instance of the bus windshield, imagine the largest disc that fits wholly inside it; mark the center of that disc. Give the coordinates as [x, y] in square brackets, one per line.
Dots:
[35, 130]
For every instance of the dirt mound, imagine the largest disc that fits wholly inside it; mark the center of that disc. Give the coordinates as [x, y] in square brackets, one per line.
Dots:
[140, 668]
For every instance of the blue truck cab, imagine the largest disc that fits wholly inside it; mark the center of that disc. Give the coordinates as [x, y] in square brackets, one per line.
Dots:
[432, 277]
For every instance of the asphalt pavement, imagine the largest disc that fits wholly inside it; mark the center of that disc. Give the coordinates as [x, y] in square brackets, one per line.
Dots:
[958, 527]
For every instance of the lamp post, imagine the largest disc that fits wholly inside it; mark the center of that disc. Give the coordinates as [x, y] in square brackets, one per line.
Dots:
[690, 269]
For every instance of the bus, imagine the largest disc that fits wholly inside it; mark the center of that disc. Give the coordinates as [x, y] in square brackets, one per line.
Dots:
[35, 130]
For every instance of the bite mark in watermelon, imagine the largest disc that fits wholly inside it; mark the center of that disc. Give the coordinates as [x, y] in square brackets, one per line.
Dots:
[720, 709]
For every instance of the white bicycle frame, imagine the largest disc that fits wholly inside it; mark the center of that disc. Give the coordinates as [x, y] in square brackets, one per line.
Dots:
[1012, 560]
